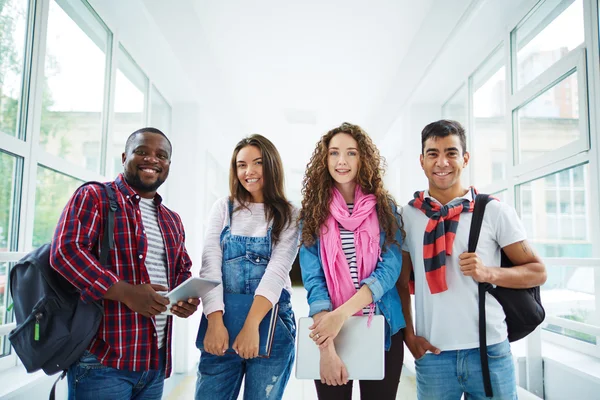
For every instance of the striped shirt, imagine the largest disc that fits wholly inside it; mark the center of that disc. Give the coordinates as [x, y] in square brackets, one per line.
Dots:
[125, 339]
[349, 249]
[155, 259]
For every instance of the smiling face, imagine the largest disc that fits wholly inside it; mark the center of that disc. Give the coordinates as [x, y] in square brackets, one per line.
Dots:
[443, 161]
[146, 163]
[249, 167]
[343, 160]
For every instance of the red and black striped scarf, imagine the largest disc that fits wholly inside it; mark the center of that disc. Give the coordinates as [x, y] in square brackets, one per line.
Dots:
[439, 236]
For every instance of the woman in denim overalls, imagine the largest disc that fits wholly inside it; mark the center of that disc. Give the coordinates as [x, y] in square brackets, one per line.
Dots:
[250, 245]
[351, 256]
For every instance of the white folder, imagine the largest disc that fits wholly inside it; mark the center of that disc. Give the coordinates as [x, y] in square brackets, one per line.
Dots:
[360, 347]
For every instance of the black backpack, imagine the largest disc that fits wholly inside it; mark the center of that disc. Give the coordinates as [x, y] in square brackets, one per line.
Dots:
[522, 307]
[54, 326]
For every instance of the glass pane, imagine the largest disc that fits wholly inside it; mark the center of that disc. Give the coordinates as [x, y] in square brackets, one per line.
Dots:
[546, 37]
[569, 293]
[13, 27]
[160, 114]
[9, 202]
[558, 211]
[52, 192]
[6, 316]
[456, 107]
[488, 153]
[130, 101]
[74, 79]
[550, 121]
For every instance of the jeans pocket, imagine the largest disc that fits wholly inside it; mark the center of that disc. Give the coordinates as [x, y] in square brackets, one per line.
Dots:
[288, 324]
[499, 350]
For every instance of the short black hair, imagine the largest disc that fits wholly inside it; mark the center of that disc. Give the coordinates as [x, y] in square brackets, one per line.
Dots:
[143, 130]
[443, 128]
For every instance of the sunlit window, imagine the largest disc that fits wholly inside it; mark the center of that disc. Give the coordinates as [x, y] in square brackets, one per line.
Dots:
[13, 25]
[456, 107]
[540, 44]
[74, 81]
[550, 121]
[489, 127]
[160, 112]
[53, 190]
[130, 100]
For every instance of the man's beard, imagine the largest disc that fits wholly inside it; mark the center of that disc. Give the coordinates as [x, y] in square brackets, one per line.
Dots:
[136, 183]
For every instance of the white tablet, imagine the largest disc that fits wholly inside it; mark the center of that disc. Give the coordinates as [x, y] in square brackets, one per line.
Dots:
[192, 288]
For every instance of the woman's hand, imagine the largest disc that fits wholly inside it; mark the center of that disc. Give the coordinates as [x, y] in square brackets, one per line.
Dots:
[247, 341]
[333, 371]
[327, 326]
[216, 340]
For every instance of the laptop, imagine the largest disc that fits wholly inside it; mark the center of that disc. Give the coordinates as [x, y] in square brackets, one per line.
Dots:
[361, 348]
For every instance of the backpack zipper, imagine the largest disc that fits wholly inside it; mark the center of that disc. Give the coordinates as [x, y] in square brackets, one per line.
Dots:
[36, 334]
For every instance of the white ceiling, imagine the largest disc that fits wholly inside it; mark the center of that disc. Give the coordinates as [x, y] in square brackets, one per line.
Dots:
[292, 69]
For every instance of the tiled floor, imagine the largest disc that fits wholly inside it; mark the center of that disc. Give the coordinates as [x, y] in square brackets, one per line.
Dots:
[296, 389]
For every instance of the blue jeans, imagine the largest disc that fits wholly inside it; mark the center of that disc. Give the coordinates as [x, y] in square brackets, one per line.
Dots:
[90, 380]
[451, 373]
[220, 377]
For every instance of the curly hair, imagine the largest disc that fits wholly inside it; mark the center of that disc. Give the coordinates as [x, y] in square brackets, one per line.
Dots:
[318, 183]
[277, 208]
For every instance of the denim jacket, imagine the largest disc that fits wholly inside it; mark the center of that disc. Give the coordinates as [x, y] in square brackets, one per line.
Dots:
[382, 283]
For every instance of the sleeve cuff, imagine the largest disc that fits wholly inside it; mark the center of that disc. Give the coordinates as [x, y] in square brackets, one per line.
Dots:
[375, 287]
[318, 306]
[213, 302]
[272, 297]
[99, 288]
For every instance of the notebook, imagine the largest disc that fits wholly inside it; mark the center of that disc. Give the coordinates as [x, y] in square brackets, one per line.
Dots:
[237, 307]
[361, 348]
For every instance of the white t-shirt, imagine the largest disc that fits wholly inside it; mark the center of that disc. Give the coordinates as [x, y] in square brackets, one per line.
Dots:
[449, 320]
[248, 222]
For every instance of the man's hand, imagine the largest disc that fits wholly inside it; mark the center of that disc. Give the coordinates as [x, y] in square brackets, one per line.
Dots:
[184, 309]
[333, 371]
[418, 346]
[216, 340]
[327, 327]
[247, 341]
[471, 265]
[142, 299]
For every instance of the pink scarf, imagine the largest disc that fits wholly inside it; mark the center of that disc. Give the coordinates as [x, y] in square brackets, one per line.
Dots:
[365, 225]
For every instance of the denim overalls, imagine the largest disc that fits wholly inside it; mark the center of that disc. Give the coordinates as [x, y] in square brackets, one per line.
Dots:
[220, 377]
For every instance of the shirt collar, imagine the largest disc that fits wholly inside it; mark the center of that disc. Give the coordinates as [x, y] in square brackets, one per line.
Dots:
[467, 196]
[130, 193]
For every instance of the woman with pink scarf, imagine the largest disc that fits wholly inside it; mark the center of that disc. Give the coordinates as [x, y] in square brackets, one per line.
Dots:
[350, 255]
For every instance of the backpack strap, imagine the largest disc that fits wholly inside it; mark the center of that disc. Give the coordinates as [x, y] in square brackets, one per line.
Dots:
[108, 239]
[481, 201]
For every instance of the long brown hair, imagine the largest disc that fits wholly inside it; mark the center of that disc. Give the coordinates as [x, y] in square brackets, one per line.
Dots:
[317, 185]
[277, 208]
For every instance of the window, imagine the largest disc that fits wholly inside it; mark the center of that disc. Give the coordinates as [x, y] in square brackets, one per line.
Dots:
[489, 129]
[74, 81]
[130, 100]
[10, 178]
[160, 112]
[456, 107]
[540, 44]
[561, 225]
[6, 316]
[53, 190]
[550, 121]
[13, 27]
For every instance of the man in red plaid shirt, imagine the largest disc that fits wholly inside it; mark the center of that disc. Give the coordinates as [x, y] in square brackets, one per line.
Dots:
[131, 353]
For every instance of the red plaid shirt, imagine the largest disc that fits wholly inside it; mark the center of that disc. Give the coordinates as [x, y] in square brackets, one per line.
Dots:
[125, 339]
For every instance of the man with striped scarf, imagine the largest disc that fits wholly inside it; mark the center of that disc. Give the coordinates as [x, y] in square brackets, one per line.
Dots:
[444, 277]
